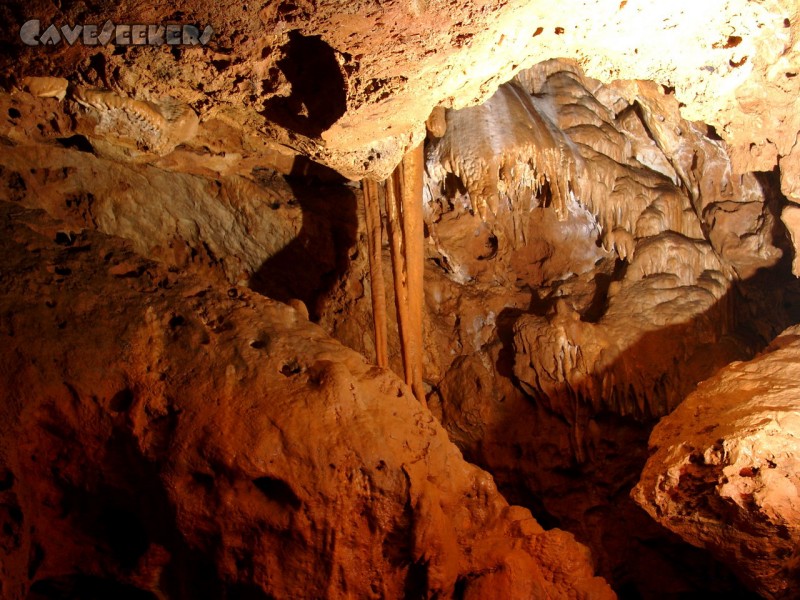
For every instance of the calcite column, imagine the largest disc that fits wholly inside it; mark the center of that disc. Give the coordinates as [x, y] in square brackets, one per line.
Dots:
[405, 227]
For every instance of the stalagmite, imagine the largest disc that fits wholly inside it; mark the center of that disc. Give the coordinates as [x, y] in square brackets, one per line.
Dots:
[404, 216]
[372, 214]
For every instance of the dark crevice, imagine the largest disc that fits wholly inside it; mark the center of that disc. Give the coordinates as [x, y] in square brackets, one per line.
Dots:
[86, 587]
[318, 95]
[76, 142]
[277, 490]
[121, 401]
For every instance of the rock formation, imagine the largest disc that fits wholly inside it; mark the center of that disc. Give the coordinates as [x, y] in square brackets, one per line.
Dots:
[331, 79]
[652, 187]
[188, 440]
[609, 216]
[404, 224]
[627, 329]
[723, 472]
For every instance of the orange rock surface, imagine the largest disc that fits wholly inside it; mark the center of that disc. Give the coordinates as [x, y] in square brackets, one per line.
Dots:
[352, 83]
[194, 440]
[612, 208]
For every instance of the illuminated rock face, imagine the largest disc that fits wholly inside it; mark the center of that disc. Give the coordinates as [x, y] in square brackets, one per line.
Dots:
[351, 83]
[614, 297]
[502, 154]
[596, 336]
[167, 436]
[791, 219]
[723, 474]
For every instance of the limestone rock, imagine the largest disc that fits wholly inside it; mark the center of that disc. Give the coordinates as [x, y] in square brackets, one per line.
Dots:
[244, 225]
[791, 219]
[352, 83]
[170, 436]
[532, 451]
[723, 470]
[634, 335]
[664, 201]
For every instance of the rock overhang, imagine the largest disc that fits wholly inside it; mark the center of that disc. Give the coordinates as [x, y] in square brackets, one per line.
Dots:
[350, 84]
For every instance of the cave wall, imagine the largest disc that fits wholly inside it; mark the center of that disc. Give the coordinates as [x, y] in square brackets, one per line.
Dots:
[189, 440]
[722, 471]
[551, 346]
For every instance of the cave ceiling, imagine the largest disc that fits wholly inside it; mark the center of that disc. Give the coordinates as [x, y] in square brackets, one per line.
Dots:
[350, 84]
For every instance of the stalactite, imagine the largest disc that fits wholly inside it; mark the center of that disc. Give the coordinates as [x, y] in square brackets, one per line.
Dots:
[395, 230]
[508, 157]
[372, 214]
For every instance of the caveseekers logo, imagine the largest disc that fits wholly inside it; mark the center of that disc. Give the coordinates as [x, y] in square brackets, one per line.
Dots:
[31, 34]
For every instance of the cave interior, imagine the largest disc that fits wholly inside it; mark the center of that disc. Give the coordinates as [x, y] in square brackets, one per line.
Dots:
[400, 299]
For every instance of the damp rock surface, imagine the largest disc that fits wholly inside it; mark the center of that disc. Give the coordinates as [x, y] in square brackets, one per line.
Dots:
[628, 213]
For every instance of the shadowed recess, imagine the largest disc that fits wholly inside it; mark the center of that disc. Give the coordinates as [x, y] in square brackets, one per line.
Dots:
[319, 91]
[277, 490]
[85, 587]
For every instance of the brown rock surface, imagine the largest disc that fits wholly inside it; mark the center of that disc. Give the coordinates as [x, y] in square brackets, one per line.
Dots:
[791, 219]
[654, 271]
[352, 83]
[654, 188]
[166, 435]
[531, 453]
[655, 308]
[700, 287]
[723, 472]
